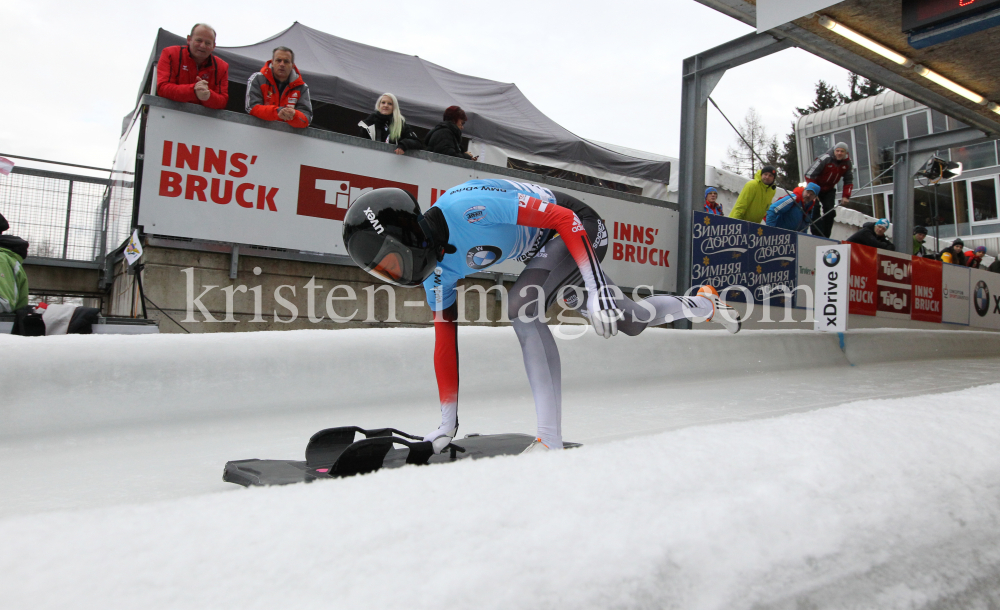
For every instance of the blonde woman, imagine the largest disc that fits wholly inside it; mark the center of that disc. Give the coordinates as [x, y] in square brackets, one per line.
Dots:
[387, 124]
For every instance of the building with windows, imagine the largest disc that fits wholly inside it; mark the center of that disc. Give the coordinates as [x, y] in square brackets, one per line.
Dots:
[964, 206]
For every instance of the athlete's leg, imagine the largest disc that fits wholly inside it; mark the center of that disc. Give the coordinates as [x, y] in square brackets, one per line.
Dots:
[531, 296]
[660, 309]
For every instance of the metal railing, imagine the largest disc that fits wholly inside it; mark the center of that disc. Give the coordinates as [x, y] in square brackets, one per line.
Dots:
[60, 215]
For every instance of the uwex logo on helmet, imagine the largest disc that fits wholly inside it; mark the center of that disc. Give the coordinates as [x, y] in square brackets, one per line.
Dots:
[375, 223]
[325, 193]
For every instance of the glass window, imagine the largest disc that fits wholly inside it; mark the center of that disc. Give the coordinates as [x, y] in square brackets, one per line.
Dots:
[984, 199]
[975, 157]
[933, 206]
[845, 137]
[939, 121]
[861, 163]
[956, 124]
[882, 137]
[961, 201]
[916, 125]
[820, 144]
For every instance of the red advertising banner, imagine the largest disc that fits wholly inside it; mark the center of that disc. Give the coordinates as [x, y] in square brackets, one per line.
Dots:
[894, 287]
[927, 299]
[863, 280]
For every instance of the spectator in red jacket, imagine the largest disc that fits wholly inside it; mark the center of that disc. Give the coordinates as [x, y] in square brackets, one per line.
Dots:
[193, 74]
[826, 171]
[278, 93]
[712, 205]
[975, 260]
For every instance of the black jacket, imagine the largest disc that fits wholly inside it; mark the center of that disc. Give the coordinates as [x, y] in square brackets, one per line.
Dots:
[995, 266]
[445, 139]
[376, 127]
[956, 258]
[867, 237]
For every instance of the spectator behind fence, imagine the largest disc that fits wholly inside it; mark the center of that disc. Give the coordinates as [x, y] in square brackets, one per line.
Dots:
[995, 266]
[13, 279]
[756, 196]
[975, 260]
[873, 234]
[712, 205]
[192, 73]
[826, 171]
[919, 235]
[387, 124]
[445, 138]
[953, 254]
[278, 93]
[793, 212]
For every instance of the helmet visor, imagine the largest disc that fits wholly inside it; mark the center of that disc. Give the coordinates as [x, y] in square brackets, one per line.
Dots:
[394, 262]
[390, 268]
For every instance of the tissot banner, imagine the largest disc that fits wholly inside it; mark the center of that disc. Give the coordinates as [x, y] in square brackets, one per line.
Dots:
[219, 180]
[833, 280]
[729, 252]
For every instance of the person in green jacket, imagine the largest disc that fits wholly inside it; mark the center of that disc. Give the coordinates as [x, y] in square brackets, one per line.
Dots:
[919, 235]
[756, 196]
[13, 279]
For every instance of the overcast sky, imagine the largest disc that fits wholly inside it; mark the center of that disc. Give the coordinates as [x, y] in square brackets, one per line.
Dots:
[607, 71]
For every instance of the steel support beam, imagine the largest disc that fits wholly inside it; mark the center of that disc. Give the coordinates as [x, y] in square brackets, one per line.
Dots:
[844, 57]
[910, 156]
[701, 73]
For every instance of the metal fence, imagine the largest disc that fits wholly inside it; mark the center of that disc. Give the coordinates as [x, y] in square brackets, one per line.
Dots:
[61, 216]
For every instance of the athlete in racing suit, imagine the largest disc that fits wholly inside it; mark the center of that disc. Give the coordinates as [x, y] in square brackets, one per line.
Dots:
[562, 240]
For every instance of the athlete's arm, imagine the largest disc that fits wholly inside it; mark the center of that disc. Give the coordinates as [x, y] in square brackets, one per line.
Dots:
[534, 212]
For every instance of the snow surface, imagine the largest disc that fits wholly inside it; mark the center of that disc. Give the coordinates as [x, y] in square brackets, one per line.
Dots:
[748, 495]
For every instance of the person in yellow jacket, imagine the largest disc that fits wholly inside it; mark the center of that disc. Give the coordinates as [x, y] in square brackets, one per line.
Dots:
[756, 196]
[13, 279]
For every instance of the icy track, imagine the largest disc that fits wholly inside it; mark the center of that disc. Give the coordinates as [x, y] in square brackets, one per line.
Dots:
[752, 471]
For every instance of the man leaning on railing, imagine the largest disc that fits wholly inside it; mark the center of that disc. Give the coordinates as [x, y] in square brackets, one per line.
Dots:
[192, 73]
[278, 93]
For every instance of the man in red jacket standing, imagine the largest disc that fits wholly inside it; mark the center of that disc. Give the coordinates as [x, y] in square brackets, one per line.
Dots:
[278, 93]
[826, 171]
[193, 74]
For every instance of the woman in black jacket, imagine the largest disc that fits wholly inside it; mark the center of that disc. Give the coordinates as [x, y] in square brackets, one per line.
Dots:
[446, 137]
[387, 124]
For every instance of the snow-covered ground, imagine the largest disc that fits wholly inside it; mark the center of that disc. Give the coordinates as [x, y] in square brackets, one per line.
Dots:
[769, 469]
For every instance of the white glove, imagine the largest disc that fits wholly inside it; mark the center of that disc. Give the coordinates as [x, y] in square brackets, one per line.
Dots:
[605, 321]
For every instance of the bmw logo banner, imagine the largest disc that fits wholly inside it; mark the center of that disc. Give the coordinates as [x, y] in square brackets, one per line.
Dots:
[833, 283]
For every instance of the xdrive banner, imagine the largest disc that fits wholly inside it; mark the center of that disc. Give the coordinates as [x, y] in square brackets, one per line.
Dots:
[209, 178]
[729, 252]
[833, 280]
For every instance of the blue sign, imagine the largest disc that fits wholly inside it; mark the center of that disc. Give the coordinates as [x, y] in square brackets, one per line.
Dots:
[730, 253]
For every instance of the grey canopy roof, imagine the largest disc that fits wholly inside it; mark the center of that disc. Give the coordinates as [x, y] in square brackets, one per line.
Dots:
[353, 75]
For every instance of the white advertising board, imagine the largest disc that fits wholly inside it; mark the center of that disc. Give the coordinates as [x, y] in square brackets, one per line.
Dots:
[984, 308]
[206, 178]
[806, 262]
[833, 283]
[955, 296]
[772, 13]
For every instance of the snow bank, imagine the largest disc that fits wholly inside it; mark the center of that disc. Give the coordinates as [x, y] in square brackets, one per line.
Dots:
[885, 503]
[66, 383]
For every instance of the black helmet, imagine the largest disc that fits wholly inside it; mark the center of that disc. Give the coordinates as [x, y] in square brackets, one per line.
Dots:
[386, 236]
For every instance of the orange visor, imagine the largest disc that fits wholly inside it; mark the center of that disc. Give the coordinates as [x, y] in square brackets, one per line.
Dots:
[390, 268]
